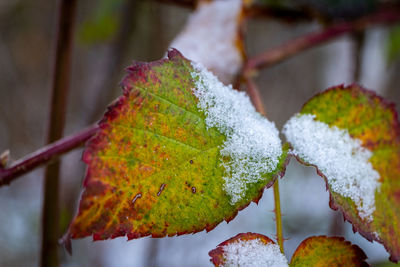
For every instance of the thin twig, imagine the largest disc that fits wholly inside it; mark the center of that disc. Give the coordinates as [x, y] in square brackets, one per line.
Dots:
[293, 47]
[183, 3]
[279, 13]
[359, 41]
[60, 85]
[255, 96]
[45, 155]
[256, 10]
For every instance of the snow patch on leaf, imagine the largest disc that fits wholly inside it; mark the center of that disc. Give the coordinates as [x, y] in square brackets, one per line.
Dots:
[211, 38]
[341, 158]
[252, 147]
[253, 253]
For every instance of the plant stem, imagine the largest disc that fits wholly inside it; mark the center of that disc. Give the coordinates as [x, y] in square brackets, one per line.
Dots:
[255, 97]
[256, 10]
[358, 40]
[278, 215]
[45, 154]
[62, 65]
[293, 47]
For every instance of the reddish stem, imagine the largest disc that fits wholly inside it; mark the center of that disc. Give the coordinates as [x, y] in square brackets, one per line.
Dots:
[302, 43]
[256, 10]
[255, 96]
[45, 155]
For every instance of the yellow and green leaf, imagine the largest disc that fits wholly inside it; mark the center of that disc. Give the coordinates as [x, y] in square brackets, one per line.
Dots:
[154, 168]
[373, 122]
[320, 251]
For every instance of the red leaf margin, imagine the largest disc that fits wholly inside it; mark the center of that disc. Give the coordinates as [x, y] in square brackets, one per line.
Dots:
[396, 125]
[135, 72]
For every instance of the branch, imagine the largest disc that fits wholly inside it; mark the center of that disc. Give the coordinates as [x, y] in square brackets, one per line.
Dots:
[293, 47]
[280, 13]
[183, 3]
[256, 11]
[45, 155]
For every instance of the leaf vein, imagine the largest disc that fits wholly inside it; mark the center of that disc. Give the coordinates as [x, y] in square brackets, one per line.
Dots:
[168, 101]
[159, 135]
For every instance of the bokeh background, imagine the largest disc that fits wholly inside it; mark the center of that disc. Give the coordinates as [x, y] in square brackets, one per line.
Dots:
[109, 34]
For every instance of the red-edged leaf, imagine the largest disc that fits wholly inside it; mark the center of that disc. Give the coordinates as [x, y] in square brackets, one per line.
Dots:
[352, 136]
[328, 251]
[167, 161]
[248, 249]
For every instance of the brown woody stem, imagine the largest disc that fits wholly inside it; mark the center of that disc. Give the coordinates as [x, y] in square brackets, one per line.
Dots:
[60, 85]
[45, 155]
[293, 47]
[256, 10]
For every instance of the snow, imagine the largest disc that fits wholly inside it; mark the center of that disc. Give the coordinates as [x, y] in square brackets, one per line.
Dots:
[252, 147]
[210, 37]
[253, 253]
[341, 158]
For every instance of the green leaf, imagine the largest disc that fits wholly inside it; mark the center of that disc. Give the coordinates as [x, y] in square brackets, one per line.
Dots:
[352, 137]
[178, 153]
[102, 24]
[393, 44]
[327, 251]
[248, 249]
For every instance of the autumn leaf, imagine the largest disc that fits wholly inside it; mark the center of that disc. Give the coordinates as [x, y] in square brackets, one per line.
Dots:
[248, 249]
[178, 153]
[320, 251]
[352, 137]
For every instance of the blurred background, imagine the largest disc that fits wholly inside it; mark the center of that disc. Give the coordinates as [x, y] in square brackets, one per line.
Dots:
[109, 34]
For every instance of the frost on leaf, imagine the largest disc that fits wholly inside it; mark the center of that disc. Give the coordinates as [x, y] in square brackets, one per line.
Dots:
[250, 249]
[328, 251]
[158, 167]
[340, 157]
[352, 136]
[252, 146]
[212, 37]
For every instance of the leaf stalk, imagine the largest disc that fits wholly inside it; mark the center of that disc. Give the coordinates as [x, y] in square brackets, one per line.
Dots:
[278, 216]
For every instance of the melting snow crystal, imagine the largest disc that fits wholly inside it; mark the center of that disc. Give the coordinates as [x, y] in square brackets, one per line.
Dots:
[252, 145]
[341, 158]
